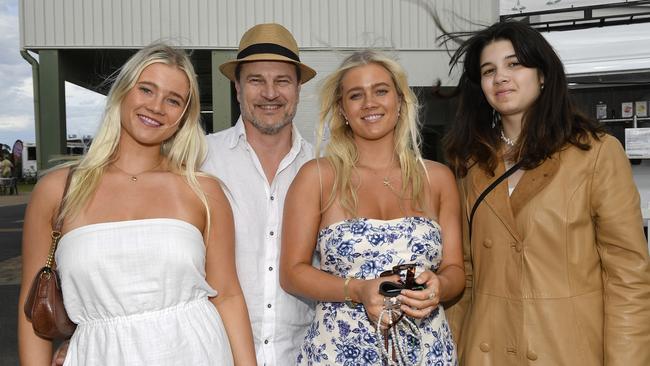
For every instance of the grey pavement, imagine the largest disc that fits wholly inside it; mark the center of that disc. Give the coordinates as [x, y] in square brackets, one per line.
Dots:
[12, 210]
[14, 199]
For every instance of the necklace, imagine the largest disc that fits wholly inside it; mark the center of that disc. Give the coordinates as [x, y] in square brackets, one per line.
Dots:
[134, 177]
[386, 180]
[510, 142]
[387, 183]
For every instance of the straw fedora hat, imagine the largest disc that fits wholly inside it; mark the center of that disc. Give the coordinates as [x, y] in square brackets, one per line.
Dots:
[267, 42]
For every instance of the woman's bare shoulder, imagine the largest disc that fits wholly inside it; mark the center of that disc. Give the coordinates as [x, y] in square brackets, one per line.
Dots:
[211, 185]
[316, 169]
[48, 192]
[52, 183]
[438, 171]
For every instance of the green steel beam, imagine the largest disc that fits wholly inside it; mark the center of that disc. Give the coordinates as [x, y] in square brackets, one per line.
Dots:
[221, 92]
[51, 134]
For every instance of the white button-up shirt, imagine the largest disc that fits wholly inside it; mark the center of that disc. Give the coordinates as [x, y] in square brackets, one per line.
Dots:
[279, 320]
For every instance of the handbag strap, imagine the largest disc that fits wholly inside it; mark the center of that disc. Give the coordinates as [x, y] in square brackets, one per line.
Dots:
[58, 224]
[487, 190]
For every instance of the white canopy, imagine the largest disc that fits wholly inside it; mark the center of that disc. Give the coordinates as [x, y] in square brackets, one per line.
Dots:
[603, 50]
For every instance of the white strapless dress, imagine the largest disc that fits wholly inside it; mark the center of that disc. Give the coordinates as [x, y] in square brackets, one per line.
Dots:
[138, 293]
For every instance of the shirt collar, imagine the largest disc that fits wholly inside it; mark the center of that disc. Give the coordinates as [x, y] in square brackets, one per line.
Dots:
[238, 133]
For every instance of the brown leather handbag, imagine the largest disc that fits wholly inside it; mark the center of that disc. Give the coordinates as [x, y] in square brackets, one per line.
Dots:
[44, 304]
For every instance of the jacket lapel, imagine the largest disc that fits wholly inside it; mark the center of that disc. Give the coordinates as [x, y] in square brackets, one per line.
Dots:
[532, 182]
[497, 200]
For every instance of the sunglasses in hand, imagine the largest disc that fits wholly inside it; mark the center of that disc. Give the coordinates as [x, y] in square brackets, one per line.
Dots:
[406, 272]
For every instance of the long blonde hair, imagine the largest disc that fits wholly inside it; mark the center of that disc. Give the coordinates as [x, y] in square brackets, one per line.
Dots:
[341, 151]
[184, 151]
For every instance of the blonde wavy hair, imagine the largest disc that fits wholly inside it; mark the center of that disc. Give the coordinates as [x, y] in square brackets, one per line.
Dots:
[341, 151]
[184, 151]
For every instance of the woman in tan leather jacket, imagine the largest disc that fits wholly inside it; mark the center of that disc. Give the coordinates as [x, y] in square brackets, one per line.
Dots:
[557, 264]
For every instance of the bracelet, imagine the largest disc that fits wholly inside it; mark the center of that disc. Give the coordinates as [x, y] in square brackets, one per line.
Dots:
[348, 300]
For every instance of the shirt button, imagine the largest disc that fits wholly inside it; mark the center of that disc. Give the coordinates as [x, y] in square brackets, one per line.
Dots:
[268, 306]
[487, 243]
[272, 198]
[266, 341]
[531, 355]
[271, 233]
[270, 268]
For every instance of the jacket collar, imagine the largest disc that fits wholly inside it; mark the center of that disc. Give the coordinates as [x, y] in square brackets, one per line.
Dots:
[531, 183]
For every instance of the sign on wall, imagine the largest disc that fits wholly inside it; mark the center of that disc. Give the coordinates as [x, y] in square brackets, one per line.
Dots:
[508, 7]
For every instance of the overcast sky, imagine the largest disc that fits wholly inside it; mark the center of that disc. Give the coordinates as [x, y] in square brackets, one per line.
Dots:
[83, 107]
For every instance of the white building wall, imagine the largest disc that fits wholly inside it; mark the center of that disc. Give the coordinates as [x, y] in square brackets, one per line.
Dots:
[401, 24]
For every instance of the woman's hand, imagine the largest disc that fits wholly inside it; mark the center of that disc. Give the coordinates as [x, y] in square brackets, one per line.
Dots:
[367, 291]
[420, 304]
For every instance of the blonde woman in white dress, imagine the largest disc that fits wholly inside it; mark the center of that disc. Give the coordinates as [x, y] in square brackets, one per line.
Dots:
[147, 254]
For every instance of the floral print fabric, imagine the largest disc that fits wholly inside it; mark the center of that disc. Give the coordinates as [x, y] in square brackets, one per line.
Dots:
[363, 248]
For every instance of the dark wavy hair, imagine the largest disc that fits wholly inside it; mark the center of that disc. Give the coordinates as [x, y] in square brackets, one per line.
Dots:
[550, 123]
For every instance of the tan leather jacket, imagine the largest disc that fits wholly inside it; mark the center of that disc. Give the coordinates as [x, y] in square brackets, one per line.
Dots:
[558, 273]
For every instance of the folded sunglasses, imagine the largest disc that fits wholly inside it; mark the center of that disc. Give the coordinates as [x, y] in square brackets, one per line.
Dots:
[406, 271]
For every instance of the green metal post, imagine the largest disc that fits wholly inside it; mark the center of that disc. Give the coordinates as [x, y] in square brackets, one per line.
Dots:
[51, 139]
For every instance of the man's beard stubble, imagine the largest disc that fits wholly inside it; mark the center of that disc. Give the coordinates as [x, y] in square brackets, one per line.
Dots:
[271, 129]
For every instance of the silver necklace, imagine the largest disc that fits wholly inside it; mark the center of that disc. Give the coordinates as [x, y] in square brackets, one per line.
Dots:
[134, 177]
[510, 142]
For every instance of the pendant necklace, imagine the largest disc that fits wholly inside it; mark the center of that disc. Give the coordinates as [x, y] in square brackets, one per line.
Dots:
[134, 177]
[386, 180]
[510, 142]
[387, 183]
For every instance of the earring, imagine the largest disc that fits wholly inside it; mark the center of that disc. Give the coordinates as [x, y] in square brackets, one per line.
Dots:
[541, 87]
[496, 118]
[347, 123]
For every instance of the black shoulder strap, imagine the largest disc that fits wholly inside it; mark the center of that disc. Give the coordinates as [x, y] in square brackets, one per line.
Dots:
[487, 190]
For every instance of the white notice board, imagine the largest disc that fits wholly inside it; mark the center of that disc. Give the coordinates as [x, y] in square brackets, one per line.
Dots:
[637, 143]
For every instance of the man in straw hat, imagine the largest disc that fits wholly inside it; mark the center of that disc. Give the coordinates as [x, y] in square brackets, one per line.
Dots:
[257, 159]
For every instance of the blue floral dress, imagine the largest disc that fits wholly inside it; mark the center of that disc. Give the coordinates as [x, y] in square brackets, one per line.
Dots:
[363, 248]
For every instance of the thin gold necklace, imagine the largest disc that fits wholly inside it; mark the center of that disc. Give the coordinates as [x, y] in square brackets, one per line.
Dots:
[134, 177]
[386, 180]
[387, 184]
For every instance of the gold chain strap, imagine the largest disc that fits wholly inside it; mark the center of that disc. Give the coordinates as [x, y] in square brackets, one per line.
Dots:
[55, 241]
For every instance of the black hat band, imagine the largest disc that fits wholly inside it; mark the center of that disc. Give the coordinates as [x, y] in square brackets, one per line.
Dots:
[267, 48]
